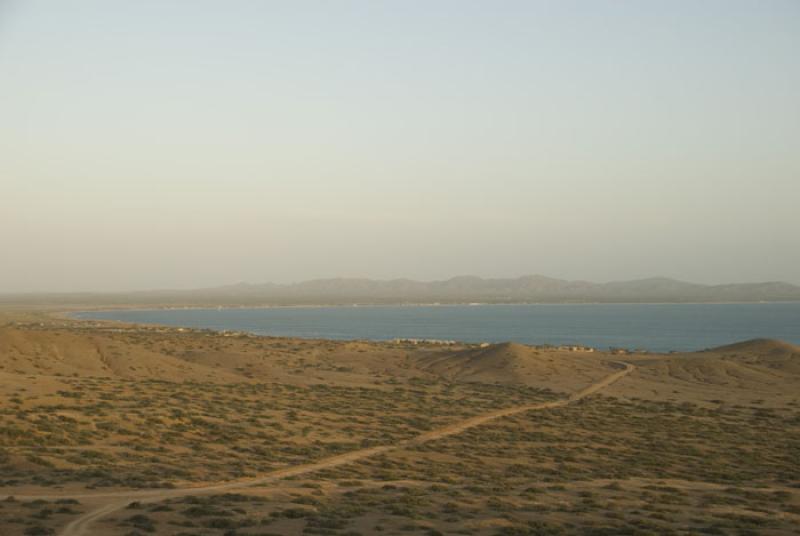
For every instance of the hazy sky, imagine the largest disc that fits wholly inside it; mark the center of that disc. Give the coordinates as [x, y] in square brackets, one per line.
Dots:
[192, 143]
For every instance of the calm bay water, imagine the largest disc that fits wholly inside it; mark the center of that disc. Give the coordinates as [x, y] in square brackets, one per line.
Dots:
[655, 327]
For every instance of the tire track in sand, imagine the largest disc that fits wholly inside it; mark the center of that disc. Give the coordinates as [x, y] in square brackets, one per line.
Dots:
[81, 526]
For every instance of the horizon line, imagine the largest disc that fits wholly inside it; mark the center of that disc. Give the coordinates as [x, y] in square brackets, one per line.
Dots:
[383, 280]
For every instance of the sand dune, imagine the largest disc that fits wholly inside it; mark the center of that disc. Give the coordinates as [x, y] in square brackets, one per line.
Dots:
[517, 363]
[770, 353]
[180, 356]
[65, 353]
[757, 369]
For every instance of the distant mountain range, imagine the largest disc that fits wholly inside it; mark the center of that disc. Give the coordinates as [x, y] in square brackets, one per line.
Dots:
[463, 289]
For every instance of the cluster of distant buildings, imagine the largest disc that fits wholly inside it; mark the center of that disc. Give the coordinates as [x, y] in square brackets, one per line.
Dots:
[576, 348]
[565, 348]
[424, 341]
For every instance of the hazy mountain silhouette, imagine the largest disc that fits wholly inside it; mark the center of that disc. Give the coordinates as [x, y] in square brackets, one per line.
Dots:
[462, 289]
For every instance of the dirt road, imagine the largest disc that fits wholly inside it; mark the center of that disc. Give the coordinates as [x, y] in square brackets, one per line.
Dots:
[110, 502]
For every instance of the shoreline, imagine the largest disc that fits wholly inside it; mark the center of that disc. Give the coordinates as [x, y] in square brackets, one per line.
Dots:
[645, 338]
[152, 307]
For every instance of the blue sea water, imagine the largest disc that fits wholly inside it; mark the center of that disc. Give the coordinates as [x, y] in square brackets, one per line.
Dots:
[654, 327]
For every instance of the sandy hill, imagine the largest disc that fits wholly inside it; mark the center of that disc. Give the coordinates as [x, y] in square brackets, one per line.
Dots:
[67, 353]
[750, 370]
[759, 346]
[176, 355]
[771, 355]
[777, 355]
[517, 363]
[304, 362]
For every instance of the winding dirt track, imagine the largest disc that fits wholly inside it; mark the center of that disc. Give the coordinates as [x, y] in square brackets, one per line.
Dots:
[118, 500]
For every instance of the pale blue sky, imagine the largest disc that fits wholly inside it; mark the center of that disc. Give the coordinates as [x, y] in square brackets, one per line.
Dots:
[180, 144]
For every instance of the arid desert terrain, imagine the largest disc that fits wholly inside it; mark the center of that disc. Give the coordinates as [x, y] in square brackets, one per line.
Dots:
[116, 429]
